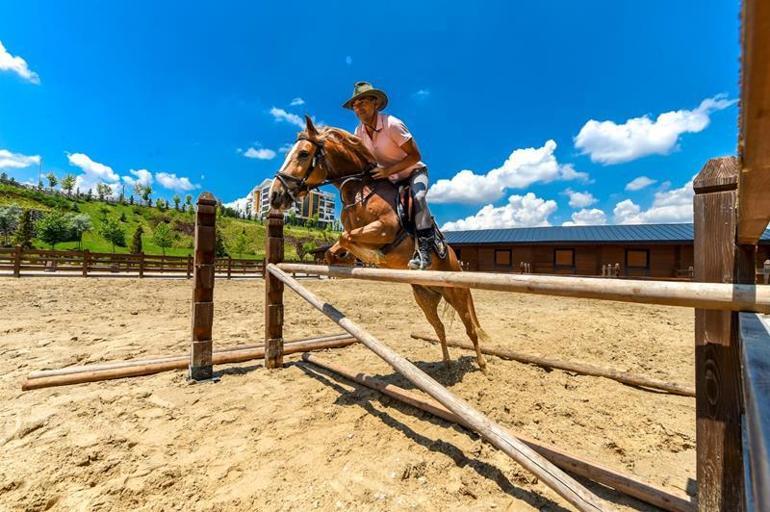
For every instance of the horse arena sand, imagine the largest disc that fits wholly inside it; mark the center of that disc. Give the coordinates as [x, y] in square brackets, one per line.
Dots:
[302, 439]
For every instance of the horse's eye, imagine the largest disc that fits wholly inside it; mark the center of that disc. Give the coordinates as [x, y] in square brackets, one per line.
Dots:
[304, 154]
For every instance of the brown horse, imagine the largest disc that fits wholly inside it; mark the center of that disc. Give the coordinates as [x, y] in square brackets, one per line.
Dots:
[372, 230]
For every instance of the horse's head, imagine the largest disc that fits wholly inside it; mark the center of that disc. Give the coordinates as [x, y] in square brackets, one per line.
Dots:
[303, 169]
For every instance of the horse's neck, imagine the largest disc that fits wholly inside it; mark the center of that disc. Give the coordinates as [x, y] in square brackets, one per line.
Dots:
[344, 163]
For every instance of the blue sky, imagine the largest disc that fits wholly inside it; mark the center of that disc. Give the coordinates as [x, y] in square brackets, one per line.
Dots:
[526, 113]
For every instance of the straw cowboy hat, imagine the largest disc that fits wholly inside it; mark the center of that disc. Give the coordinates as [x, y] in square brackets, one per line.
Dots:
[361, 89]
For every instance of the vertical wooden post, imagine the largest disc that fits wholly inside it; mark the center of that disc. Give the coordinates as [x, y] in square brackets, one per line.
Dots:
[203, 288]
[229, 265]
[274, 292]
[17, 261]
[189, 266]
[86, 261]
[717, 372]
[141, 264]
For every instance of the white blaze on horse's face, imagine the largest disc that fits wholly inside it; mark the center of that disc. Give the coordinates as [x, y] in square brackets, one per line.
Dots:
[298, 160]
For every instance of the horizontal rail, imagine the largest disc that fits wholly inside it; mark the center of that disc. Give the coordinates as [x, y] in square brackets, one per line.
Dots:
[725, 297]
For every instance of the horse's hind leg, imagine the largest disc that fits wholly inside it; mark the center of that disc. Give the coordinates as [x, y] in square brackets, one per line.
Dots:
[428, 301]
[462, 301]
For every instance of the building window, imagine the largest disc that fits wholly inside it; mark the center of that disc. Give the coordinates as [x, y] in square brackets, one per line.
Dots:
[502, 257]
[638, 258]
[564, 258]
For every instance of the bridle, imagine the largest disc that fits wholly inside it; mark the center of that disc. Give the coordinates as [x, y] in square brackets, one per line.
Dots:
[319, 160]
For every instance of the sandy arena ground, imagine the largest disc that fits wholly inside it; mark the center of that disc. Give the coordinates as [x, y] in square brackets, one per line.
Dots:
[301, 439]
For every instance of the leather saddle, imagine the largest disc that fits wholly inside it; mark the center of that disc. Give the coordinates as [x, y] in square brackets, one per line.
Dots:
[406, 211]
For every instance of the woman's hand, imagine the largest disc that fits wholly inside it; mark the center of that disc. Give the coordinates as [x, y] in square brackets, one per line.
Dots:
[380, 173]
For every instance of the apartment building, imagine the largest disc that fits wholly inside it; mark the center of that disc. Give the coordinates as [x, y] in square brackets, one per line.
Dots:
[315, 202]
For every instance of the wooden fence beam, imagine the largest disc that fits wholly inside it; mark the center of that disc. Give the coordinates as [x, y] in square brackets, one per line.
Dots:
[201, 366]
[717, 371]
[274, 292]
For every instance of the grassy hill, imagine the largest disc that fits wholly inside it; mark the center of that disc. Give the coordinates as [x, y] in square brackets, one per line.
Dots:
[181, 223]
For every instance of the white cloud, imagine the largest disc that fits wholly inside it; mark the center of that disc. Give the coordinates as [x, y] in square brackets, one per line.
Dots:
[297, 102]
[141, 176]
[668, 206]
[522, 168]
[285, 147]
[280, 114]
[93, 172]
[580, 199]
[173, 182]
[239, 204]
[639, 183]
[348, 60]
[609, 143]
[586, 217]
[521, 211]
[422, 93]
[261, 154]
[10, 160]
[17, 65]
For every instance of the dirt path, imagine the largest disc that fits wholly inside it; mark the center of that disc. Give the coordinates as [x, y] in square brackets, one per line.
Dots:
[301, 439]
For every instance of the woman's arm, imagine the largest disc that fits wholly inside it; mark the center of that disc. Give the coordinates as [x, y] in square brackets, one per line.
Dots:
[412, 157]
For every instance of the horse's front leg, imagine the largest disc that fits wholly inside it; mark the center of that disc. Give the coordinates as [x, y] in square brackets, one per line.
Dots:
[365, 241]
[338, 255]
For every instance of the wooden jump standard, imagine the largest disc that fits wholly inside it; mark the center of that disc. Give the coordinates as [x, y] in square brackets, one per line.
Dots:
[552, 476]
[579, 466]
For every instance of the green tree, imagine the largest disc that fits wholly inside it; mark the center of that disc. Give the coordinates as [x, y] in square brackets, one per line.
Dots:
[188, 201]
[131, 199]
[52, 180]
[292, 217]
[240, 243]
[162, 236]
[103, 190]
[4, 177]
[136, 241]
[53, 228]
[26, 230]
[219, 246]
[176, 200]
[79, 224]
[146, 193]
[113, 232]
[68, 183]
[9, 220]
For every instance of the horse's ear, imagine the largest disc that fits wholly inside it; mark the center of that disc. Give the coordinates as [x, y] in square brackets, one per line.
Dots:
[311, 131]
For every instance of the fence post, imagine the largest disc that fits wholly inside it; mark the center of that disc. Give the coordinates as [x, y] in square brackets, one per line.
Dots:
[86, 261]
[141, 264]
[766, 271]
[229, 265]
[189, 266]
[203, 289]
[717, 371]
[17, 261]
[274, 292]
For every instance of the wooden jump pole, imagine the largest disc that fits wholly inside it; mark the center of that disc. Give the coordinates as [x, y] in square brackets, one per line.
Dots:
[585, 468]
[225, 357]
[719, 259]
[717, 296]
[203, 289]
[274, 292]
[576, 367]
[114, 365]
[555, 478]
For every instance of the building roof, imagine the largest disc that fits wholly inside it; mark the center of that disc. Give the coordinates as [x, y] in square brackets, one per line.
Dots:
[629, 233]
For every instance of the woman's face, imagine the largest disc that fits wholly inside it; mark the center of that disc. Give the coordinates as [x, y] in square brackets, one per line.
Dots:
[365, 108]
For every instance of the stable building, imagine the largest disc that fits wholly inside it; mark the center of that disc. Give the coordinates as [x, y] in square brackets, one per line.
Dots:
[662, 251]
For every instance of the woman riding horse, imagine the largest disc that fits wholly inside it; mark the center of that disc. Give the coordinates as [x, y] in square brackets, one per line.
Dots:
[373, 234]
[388, 139]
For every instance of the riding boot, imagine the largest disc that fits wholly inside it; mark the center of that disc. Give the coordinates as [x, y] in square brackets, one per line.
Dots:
[422, 256]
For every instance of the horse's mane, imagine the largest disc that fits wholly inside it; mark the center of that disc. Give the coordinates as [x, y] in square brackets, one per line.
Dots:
[346, 146]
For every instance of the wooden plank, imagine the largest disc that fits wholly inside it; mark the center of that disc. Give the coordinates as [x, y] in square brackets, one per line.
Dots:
[579, 466]
[754, 142]
[755, 364]
[549, 474]
[727, 297]
[574, 366]
[717, 375]
[224, 357]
